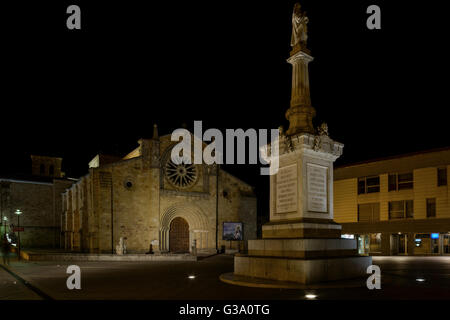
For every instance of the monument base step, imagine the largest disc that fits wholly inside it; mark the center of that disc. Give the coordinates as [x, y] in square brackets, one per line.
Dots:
[304, 228]
[302, 248]
[245, 281]
[299, 270]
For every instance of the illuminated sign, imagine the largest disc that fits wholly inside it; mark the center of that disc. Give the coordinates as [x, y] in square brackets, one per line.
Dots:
[435, 236]
[418, 242]
[232, 231]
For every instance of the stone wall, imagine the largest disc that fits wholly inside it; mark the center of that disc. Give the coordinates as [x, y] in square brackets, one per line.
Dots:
[41, 206]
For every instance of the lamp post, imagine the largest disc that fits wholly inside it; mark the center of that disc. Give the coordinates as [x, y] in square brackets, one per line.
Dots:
[18, 212]
[5, 218]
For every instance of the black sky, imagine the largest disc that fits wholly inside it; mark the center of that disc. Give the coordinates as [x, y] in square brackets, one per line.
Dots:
[135, 63]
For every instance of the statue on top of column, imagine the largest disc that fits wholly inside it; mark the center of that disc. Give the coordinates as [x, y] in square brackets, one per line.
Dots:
[299, 28]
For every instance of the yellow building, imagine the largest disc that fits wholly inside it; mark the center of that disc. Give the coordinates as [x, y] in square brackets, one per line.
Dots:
[396, 205]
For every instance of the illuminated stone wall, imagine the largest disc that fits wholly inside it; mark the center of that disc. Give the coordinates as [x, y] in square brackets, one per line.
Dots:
[40, 203]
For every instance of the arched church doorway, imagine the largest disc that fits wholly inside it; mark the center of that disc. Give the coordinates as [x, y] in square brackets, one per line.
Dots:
[179, 235]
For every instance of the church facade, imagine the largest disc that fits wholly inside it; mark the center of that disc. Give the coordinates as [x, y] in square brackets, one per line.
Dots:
[147, 200]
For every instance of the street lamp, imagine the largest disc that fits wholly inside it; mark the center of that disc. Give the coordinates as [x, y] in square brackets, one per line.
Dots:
[18, 212]
[5, 218]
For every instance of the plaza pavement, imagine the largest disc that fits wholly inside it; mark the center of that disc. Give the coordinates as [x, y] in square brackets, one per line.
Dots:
[169, 281]
[12, 288]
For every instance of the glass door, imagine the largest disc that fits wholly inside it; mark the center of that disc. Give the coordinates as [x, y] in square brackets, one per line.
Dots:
[446, 244]
[399, 244]
[435, 246]
[402, 244]
[363, 244]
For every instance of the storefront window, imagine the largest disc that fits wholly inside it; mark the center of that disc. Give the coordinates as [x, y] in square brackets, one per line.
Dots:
[363, 244]
[369, 243]
[426, 243]
[446, 243]
[375, 243]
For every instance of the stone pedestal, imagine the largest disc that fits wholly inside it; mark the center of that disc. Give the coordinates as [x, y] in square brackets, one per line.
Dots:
[302, 243]
[305, 271]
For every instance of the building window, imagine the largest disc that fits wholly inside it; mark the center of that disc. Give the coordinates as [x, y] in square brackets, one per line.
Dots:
[431, 207]
[442, 177]
[400, 181]
[375, 243]
[42, 169]
[368, 184]
[369, 212]
[369, 243]
[401, 209]
[51, 170]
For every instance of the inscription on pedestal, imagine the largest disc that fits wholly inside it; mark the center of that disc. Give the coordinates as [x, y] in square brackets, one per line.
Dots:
[287, 189]
[317, 187]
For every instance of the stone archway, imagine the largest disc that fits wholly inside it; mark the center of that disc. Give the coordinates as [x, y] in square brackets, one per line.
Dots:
[179, 236]
[195, 219]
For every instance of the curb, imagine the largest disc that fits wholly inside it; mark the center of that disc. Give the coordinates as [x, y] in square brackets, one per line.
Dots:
[27, 284]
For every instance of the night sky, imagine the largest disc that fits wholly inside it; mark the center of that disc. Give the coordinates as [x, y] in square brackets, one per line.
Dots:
[135, 63]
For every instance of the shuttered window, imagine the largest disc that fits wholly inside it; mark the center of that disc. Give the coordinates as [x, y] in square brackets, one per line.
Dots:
[368, 184]
[369, 212]
[401, 209]
[442, 177]
[400, 181]
[431, 207]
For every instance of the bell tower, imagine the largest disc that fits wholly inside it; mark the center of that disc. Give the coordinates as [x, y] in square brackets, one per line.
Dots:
[46, 166]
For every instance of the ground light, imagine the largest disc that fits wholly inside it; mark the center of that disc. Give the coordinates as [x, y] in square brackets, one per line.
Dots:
[191, 277]
[310, 296]
[420, 279]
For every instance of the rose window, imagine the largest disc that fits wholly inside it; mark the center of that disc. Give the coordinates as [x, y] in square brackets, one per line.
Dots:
[181, 175]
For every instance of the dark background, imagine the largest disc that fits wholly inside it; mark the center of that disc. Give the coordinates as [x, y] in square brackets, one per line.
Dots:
[73, 93]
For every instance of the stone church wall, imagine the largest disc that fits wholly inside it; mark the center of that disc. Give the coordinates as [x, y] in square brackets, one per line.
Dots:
[41, 206]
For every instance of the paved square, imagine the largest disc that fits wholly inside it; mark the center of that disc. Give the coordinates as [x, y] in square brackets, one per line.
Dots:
[170, 281]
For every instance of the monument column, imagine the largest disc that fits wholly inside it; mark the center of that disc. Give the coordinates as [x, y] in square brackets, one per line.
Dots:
[300, 113]
[301, 242]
